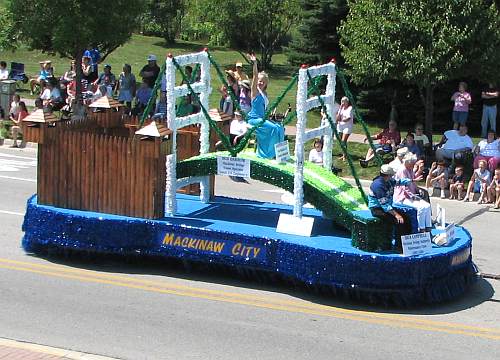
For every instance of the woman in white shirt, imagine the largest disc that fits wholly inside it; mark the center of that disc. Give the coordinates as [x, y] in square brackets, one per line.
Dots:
[489, 150]
[345, 121]
[316, 153]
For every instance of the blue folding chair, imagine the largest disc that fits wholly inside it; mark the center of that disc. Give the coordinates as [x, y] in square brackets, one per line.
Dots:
[17, 72]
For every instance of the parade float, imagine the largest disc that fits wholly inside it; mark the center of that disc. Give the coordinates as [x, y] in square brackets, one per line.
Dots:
[109, 186]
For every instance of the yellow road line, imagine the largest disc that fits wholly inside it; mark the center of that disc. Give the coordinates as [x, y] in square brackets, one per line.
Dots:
[404, 322]
[128, 279]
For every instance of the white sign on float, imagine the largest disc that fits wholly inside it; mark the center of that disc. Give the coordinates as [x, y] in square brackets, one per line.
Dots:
[416, 244]
[440, 217]
[233, 166]
[282, 151]
[450, 233]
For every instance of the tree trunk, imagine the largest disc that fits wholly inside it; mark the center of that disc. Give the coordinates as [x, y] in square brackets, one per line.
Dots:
[78, 108]
[429, 108]
[393, 116]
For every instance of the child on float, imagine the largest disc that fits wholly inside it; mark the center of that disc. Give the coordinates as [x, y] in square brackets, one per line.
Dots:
[479, 183]
[437, 178]
[494, 190]
[316, 153]
[409, 195]
[457, 182]
[267, 133]
[237, 129]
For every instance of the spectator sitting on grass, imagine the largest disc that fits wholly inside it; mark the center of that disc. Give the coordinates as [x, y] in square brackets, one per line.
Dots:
[107, 79]
[494, 190]
[479, 183]
[457, 184]
[51, 96]
[388, 139]
[46, 71]
[142, 98]
[161, 107]
[185, 107]
[437, 178]
[489, 150]
[454, 144]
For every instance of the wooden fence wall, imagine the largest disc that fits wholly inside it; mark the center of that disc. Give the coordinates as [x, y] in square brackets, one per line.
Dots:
[103, 173]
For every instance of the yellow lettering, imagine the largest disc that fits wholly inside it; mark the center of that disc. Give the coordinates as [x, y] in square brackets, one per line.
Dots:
[185, 242]
[191, 243]
[256, 252]
[168, 239]
[219, 246]
[202, 244]
[210, 246]
[236, 249]
[177, 241]
[248, 249]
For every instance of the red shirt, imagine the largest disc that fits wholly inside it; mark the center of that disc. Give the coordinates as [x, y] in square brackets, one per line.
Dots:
[387, 135]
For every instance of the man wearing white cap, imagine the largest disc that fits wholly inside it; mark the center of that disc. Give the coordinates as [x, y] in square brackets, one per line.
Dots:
[380, 202]
[150, 72]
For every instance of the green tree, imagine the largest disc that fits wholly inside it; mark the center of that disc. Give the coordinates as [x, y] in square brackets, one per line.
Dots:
[68, 27]
[421, 43]
[316, 39]
[257, 25]
[163, 18]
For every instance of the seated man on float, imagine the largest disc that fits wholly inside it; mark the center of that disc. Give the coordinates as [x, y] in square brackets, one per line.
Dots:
[454, 144]
[380, 199]
[268, 133]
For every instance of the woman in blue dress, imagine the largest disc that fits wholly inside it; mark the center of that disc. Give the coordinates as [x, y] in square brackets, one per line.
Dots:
[269, 133]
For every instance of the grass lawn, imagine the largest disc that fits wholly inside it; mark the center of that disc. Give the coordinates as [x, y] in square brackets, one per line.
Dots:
[136, 50]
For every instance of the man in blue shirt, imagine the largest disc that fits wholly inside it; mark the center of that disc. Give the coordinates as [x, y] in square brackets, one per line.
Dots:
[380, 202]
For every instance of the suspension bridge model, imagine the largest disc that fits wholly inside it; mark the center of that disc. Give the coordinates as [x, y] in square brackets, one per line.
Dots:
[109, 187]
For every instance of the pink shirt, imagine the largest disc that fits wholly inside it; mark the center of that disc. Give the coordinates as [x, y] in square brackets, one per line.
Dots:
[462, 101]
[402, 192]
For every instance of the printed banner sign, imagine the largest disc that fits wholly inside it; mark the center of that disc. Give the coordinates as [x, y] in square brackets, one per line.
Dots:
[450, 233]
[282, 151]
[233, 166]
[416, 244]
[222, 247]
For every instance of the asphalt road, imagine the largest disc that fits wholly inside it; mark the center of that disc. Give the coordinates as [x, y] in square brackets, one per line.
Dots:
[155, 311]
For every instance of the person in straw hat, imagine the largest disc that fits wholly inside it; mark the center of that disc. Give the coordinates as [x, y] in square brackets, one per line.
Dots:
[380, 199]
[239, 74]
[245, 96]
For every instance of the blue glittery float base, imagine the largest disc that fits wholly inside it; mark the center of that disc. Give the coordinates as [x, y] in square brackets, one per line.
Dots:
[242, 233]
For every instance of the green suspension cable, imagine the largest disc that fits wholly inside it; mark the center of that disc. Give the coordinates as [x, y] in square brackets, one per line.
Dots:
[212, 123]
[357, 114]
[269, 110]
[235, 100]
[342, 145]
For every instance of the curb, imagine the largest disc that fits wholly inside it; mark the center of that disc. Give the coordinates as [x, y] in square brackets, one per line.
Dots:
[48, 350]
[9, 142]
